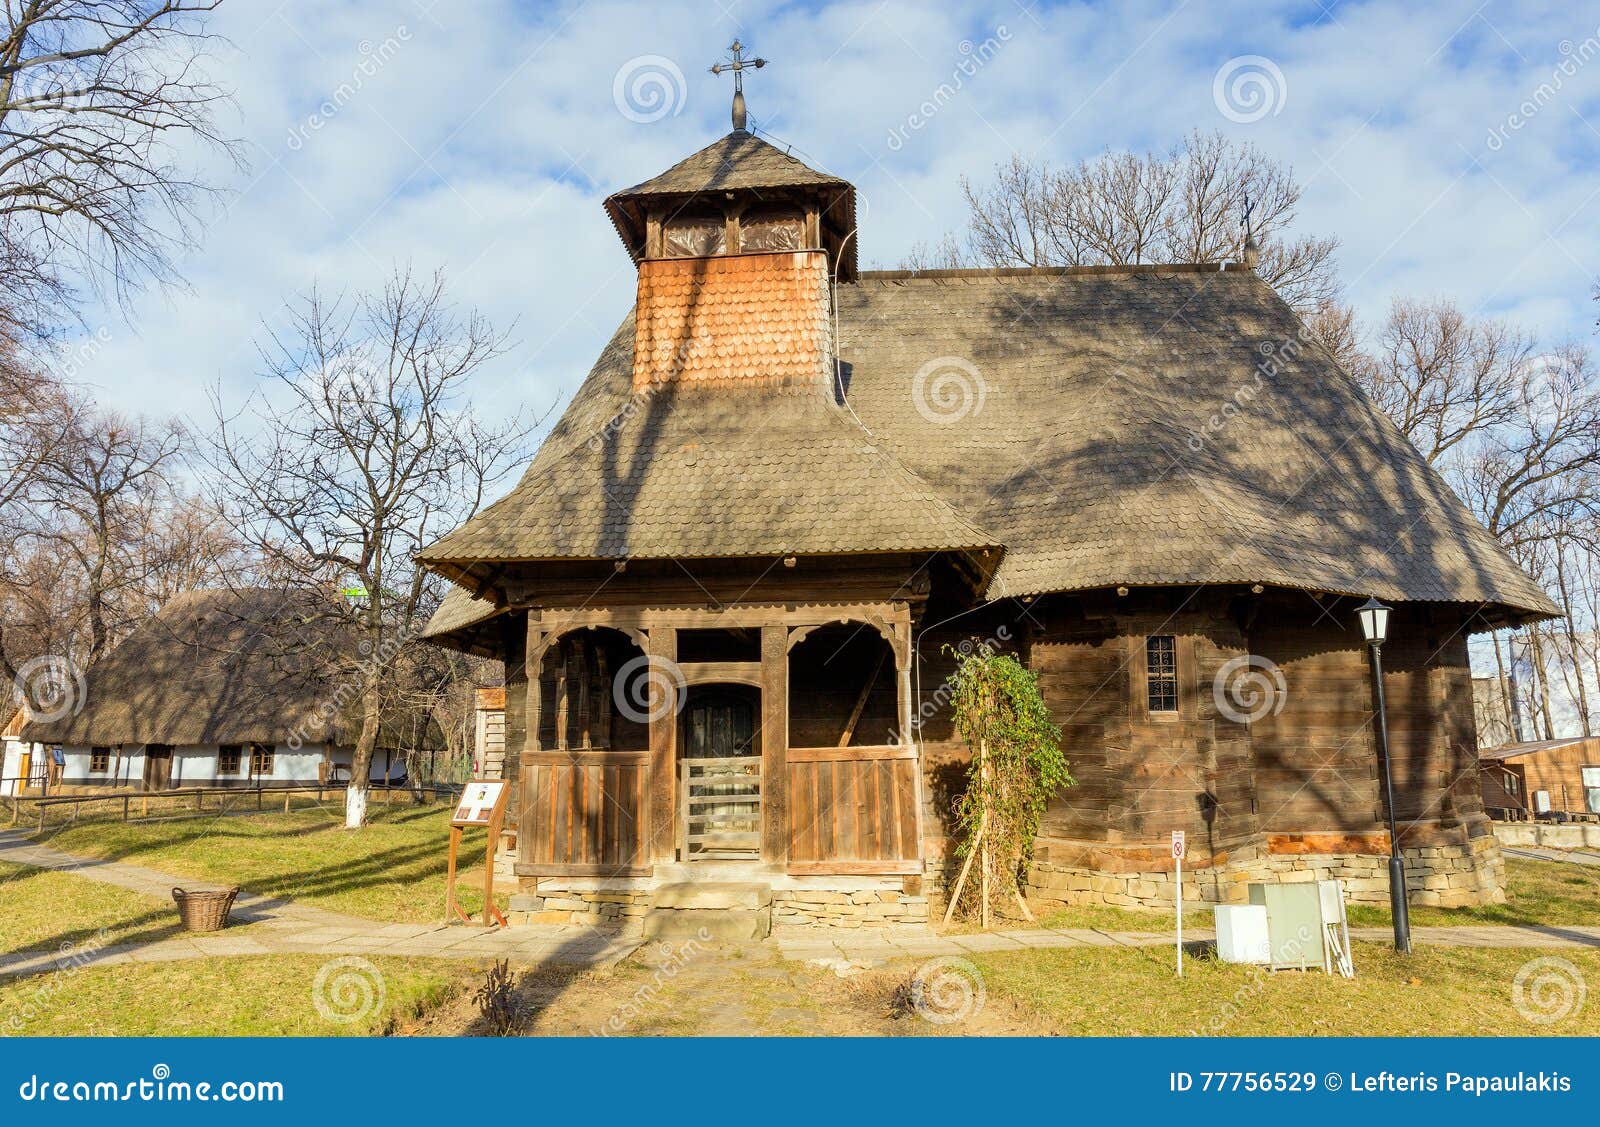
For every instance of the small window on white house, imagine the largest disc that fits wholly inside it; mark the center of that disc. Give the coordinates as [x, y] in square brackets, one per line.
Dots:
[99, 760]
[228, 759]
[260, 760]
[1161, 672]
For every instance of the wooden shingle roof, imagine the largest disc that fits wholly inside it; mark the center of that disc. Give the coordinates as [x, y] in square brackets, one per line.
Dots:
[710, 472]
[1138, 426]
[738, 162]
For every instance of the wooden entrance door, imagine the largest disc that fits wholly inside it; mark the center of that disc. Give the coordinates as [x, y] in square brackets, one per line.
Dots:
[157, 767]
[720, 778]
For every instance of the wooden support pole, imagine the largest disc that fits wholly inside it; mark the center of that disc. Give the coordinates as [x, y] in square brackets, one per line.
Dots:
[861, 702]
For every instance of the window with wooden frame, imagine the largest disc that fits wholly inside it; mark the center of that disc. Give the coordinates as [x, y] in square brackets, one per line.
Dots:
[1161, 673]
[260, 760]
[99, 760]
[772, 229]
[229, 757]
[695, 236]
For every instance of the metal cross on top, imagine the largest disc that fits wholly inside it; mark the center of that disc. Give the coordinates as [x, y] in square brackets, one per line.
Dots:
[738, 66]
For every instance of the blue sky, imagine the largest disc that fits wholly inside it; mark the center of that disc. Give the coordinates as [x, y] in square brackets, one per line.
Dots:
[481, 137]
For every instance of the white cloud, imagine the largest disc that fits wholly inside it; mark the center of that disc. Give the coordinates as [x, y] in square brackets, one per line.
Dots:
[486, 141]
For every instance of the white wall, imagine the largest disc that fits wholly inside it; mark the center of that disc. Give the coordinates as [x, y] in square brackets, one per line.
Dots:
[196, 766]
[11, 750]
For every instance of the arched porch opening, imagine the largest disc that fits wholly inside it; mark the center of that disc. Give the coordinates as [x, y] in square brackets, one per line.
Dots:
[843, 688]
[593, 692]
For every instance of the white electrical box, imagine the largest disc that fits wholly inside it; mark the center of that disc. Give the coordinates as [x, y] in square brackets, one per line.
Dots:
[1242, 935]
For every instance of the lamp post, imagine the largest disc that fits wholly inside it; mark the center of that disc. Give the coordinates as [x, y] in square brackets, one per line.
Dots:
[1374, 618]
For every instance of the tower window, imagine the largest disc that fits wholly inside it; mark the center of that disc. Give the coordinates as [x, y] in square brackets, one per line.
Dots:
[771, 230]
[1161, 672]
[696, 237]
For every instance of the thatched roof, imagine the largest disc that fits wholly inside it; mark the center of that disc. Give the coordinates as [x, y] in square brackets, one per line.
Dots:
[1138, 426]
[247, 666]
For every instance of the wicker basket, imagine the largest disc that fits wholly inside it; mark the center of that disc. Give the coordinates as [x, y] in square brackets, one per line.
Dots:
[204, 911]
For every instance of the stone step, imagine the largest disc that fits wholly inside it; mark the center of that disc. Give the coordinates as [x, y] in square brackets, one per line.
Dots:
[720, 895]
[708, 923]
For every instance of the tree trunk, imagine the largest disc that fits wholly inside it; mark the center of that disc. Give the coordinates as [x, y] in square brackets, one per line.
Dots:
[355, 795]
[1580, 691]
[1506, 686]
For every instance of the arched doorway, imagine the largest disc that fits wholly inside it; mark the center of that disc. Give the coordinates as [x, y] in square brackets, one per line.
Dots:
[719, 773]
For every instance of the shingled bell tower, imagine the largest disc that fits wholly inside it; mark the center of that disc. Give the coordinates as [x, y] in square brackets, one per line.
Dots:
[738, 247]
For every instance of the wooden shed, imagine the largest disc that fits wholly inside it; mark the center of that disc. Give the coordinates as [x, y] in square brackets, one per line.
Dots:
[1548, 779]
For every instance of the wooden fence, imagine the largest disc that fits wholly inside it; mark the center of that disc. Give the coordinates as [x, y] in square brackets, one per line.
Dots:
[193, 801]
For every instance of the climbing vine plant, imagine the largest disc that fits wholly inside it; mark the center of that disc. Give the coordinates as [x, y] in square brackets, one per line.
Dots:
[1017, 765]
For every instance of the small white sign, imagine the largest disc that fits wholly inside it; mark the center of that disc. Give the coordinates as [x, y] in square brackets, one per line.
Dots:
[478, 803]
[1178, 845]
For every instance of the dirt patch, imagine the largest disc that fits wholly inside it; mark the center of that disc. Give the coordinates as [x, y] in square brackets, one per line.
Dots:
[726, 990]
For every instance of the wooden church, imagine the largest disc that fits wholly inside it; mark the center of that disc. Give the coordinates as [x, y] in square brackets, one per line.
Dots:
[724, 589]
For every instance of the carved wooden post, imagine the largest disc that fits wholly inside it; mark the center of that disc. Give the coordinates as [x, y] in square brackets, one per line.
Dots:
[532, 661]
[663, 713]
[774, 744]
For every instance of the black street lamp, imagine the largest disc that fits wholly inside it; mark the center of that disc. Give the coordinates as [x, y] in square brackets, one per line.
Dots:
[1374, 618]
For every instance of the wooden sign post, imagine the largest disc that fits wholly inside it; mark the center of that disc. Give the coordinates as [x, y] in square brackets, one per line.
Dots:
[483, 804]
[1179, 847]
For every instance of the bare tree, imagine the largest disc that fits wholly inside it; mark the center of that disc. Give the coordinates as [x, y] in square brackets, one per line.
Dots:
[359, 453]
[1444, 379]
[97, 498]
[95, 96]
[1184, 205]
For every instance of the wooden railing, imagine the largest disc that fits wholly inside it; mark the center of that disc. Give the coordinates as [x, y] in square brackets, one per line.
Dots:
[853, 810]
[128, 805]
[584, 813]
[719, 809]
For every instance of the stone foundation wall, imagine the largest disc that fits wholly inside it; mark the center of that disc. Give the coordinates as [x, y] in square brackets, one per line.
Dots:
[848, 909]
[1441, 876]
[1566, 835]
[624, 910]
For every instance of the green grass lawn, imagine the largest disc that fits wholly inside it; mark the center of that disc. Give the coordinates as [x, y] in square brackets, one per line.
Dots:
[393, 869]
[47, 911]
[1437, 991]
[1548, 893]
[247, 996]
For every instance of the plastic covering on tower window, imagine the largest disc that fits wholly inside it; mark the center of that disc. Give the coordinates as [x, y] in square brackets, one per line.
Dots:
[771, 231]
[696, 238]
